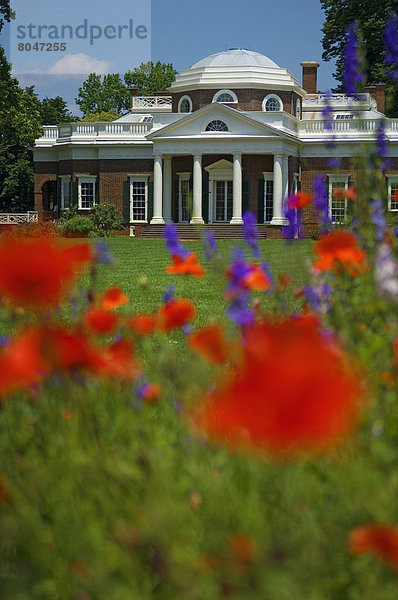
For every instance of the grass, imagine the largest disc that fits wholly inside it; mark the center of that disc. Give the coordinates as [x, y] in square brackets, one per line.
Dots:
[140, 271]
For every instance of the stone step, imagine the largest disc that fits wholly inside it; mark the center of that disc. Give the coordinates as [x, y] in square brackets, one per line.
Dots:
[195, 232]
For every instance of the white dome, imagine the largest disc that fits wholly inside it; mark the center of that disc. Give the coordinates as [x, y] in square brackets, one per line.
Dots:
[236, 57]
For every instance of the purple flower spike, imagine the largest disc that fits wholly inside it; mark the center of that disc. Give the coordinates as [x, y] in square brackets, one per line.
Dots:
[239, 310]
[321, 201]
[102, 253]
[378, 219]
[210, 244]
[391, 44]
[295, 229]
[174, 246]
[353, 72]
[169, 294]
[250, 233]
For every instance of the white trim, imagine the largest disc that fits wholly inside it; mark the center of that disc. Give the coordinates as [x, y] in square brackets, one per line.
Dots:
[138, 178]
[230, 92]
[221, 170]
[86, 179]
[268, 176]
[298, 109]
[332, 179]
[272, 97]
[61, 200]
[391, 179]
[185, 176]
[185, 97]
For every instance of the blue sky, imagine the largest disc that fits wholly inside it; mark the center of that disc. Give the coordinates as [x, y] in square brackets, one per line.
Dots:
[178, 32]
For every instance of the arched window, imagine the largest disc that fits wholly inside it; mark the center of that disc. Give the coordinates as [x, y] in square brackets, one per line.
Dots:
[185, 105]
[216, 126]
[225, 96]
[272, 103]
[298, 109]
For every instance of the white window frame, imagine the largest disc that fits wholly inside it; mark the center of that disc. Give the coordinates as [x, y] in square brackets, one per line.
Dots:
[133, 179]
[86, 179]
[65, 179]
[391, 179]
[332, 179]
[186, 176]
[298, 109]
[230, 92]
[272, 97]
[181, 101]
[268, 176]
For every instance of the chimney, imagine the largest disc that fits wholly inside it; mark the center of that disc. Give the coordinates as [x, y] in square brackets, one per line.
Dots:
[378, 91]
[310, 69]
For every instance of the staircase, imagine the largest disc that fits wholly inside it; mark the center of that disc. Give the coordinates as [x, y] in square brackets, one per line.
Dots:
[195, 232]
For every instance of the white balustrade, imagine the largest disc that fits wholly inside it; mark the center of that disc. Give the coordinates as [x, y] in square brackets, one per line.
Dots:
[158, 102]
[17, 218]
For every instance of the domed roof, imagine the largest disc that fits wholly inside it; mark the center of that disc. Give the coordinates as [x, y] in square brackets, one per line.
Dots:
[236, 57]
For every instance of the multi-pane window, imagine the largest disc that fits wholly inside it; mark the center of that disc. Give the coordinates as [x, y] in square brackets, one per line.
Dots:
[224, 200]
[184, 199]
[338, 186]
[65, 192]
[138, 198]
[185, 105]
[393, 193]
[268, 197]
[86, 192]
[272, 103]
[226, 96]
[217, 126]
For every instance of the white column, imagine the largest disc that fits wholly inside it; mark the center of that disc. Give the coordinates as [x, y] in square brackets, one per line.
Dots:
[197, 190]
[285, 176]
[278, 218]
[167, 180]
[157, 218]
[237, 191]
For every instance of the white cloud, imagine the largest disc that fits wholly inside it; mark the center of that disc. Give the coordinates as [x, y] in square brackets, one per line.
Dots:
[79, 64]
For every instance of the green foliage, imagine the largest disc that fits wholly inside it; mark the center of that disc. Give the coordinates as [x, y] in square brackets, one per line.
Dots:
[103, 94]
[372, 20]
[6, 12]
[20, 125]
[150, 77]
[100, 117]
[77, 224]
[106, 219]
[54, 111]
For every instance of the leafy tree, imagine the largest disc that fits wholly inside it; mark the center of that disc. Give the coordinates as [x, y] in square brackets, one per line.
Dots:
[54, 111]
[20, 125]
[106, 219]
[150, 77]
[109, 115]
[103, 94]
[372, 17]
[6, 13]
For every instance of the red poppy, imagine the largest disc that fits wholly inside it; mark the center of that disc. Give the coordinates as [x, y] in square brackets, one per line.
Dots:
[348, 193]
[67, 349]
[113, 298]
[293, 391]
[210, 343]
[142, 324]
[186, 266]
[256, 279]
[283, 281]
[150, 392]
[339, 248]
[101, 321]
[176, 313]
[378, 540]
[117, 361]
[22, 364]
[299, 200]
[36, 272]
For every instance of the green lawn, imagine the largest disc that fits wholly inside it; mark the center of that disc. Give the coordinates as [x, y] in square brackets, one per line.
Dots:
[136, 259]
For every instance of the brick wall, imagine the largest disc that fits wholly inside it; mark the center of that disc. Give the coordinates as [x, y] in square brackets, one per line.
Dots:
[247, 99]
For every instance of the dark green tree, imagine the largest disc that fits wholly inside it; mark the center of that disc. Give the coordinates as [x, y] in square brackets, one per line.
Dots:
[372, 17]
[54, 111]
[6, 14]
[103, 94]
[150, 77]
[20, 125]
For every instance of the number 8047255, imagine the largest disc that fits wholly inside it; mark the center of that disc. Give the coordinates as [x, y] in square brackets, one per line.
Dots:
[42, 47]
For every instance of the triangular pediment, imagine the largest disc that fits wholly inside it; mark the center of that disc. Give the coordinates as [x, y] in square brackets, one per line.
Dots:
[237, 123]
[220, 165]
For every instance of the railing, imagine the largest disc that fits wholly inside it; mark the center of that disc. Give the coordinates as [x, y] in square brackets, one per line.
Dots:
[350, 126]
[154, 102]
[69, 130]
[336, 99]
[17, 218]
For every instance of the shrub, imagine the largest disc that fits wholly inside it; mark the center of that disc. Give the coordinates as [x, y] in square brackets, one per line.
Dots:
[78, 224]
[106, 219]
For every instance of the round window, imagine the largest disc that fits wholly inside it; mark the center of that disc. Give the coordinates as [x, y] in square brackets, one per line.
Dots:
[217, 126]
